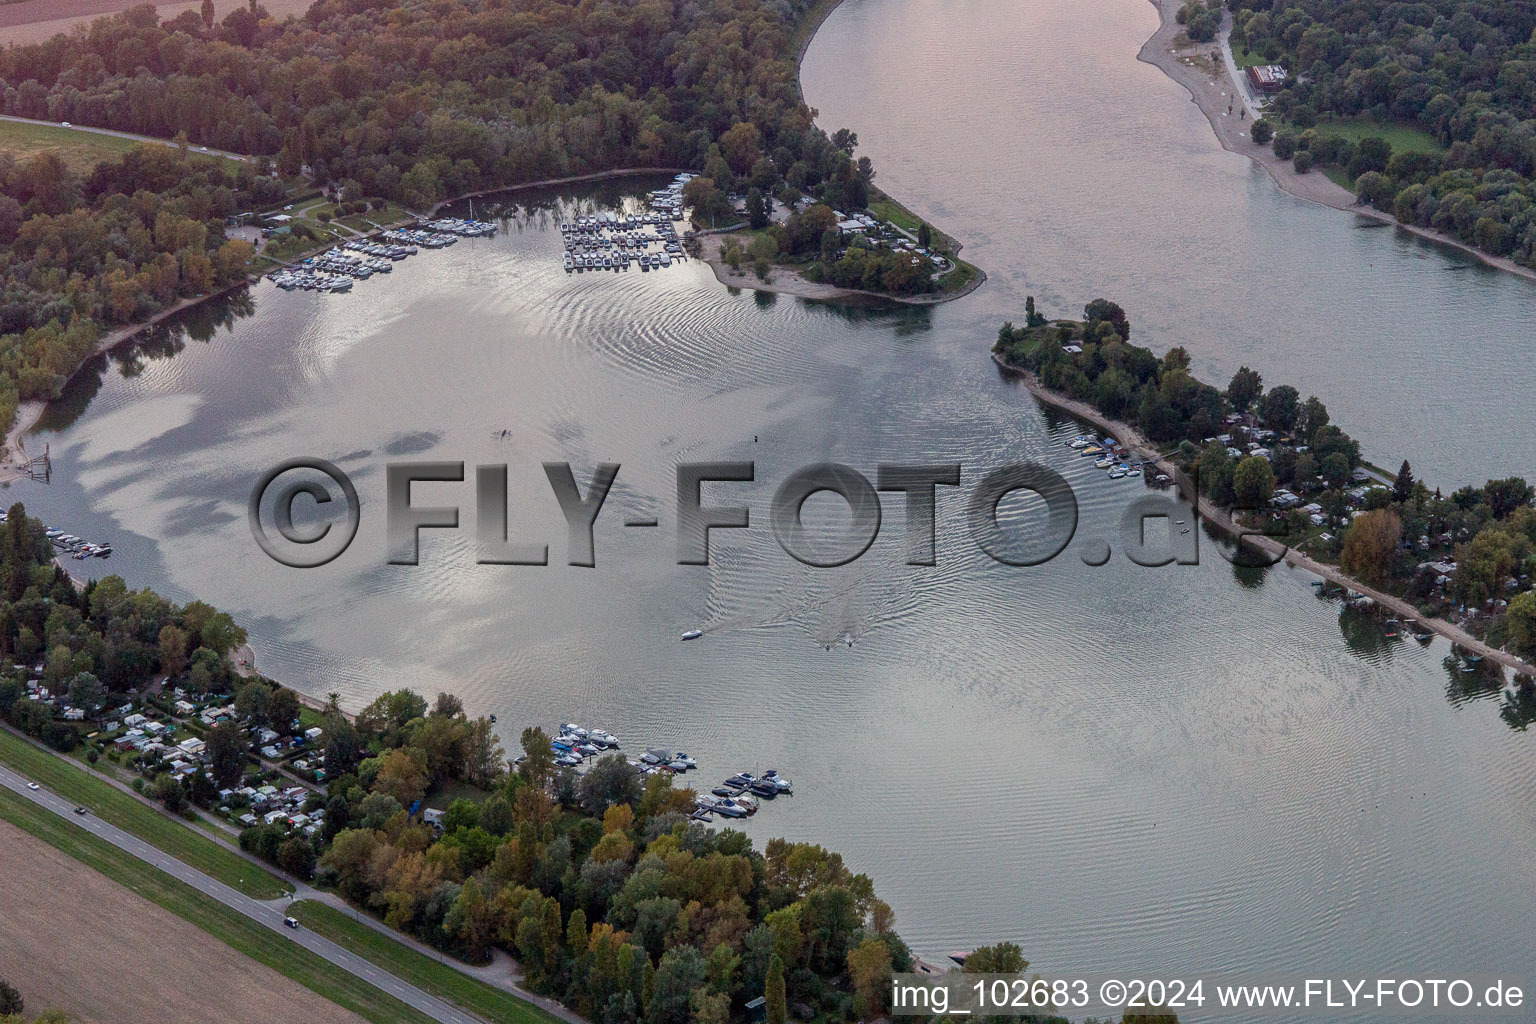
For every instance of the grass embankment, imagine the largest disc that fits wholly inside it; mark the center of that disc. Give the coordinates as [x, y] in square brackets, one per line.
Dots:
[80, 151]
[417, 968]
[256, 941]
[888, 209]
[128, 813]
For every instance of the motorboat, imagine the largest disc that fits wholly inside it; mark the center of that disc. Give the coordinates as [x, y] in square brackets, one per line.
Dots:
[783, 784]
[692, 634]
[656, 755]
[685, 760]
[1104, 463]
[730, 808]
[741, 780]
[607, 740]
[765, 789]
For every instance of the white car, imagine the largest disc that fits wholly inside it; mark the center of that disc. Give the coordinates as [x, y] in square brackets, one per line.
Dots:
[65, 124]
[33, 785]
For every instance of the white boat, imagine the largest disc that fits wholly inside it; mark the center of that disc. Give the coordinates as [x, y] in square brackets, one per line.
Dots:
[693, 634]
[782, 784]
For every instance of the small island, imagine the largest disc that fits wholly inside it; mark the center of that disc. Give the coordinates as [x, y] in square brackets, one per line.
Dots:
[1273, 470]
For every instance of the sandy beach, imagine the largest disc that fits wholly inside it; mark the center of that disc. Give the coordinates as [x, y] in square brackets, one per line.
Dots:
[1211, 88]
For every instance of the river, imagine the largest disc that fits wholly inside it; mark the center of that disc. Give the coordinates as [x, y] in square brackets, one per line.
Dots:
[1132, 770]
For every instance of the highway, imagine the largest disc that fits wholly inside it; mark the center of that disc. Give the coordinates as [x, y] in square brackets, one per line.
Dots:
[270, 914]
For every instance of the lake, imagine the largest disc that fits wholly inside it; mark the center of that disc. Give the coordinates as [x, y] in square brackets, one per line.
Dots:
[1159, 770]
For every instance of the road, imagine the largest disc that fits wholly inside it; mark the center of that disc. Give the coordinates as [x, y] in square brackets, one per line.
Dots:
[270, 914]
[151, 139]
[1239, 80]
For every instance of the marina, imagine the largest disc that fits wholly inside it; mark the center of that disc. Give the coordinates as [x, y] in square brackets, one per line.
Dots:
[739, 796]
[614, 240]
[336, 269]
[1116, 458]
[75, 547]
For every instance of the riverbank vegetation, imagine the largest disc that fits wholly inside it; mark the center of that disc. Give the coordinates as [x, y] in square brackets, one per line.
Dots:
[406, 102]
[80, 254]
[886, 250]
[601, 884]
[1277, 459]
[1425, 109]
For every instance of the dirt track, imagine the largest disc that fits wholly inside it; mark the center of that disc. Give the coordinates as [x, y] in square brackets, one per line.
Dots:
[74, 940]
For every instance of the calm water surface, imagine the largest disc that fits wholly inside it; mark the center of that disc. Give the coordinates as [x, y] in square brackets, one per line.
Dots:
[1070, 169]
[1124, 769]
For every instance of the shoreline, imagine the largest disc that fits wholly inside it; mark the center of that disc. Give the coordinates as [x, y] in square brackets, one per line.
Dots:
[787, 281]
[576, 179]
[1223, 523]
[1206, 93]
[30, 412]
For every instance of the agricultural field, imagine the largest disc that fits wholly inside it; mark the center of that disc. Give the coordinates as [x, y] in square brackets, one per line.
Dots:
[32, 21]
[64, 923]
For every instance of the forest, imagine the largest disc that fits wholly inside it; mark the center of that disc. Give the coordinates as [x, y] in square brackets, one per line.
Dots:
[1463, 71]
[409, 101]
[79, 255]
